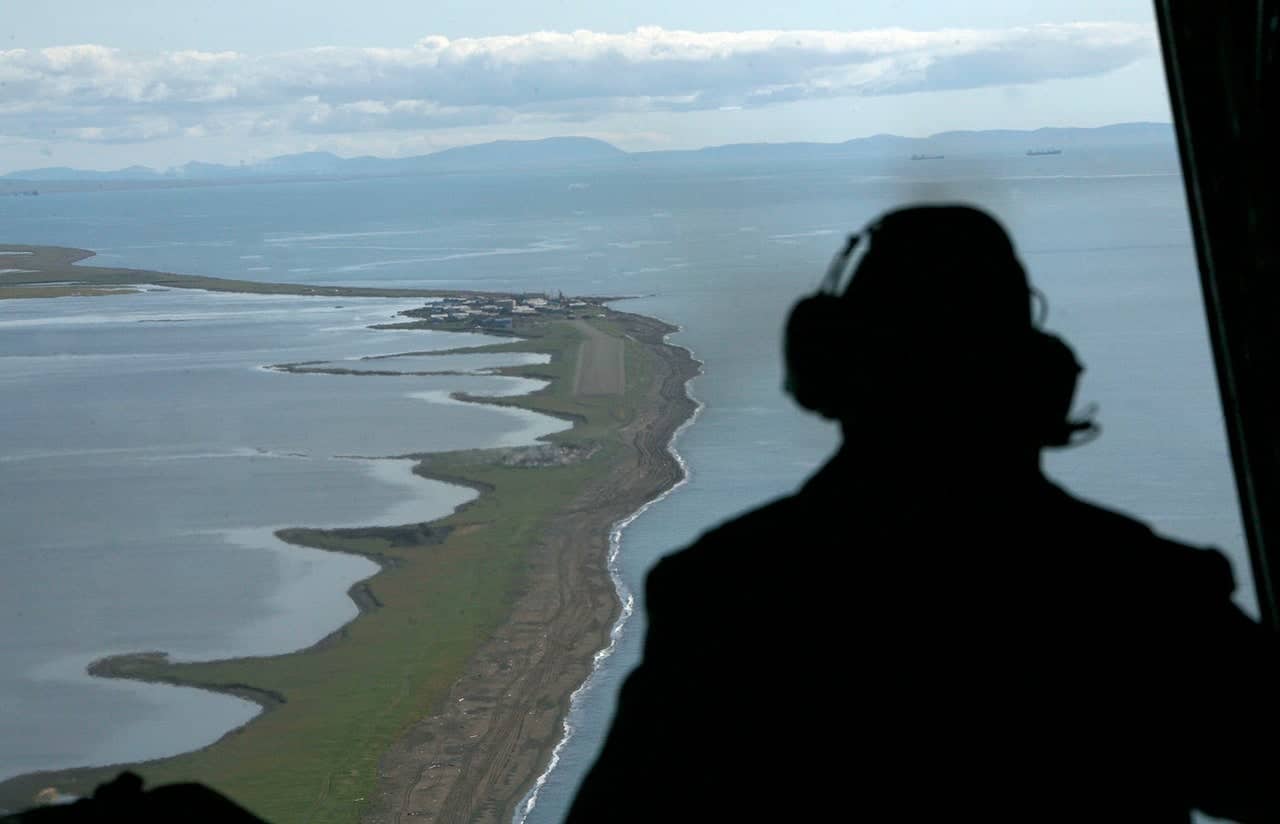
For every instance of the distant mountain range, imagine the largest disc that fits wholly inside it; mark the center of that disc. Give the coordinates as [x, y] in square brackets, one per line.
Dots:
[583, 152]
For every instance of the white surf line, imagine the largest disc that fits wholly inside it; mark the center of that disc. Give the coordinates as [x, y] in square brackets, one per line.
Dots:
[625, 596]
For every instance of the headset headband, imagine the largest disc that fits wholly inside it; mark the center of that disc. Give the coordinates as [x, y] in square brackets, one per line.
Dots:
[839, 265]
[835, 271]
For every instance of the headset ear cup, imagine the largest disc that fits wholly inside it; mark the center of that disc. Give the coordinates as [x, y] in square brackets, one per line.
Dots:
[812, 343]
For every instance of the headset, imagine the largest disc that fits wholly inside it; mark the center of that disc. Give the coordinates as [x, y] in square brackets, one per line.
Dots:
[819, 326]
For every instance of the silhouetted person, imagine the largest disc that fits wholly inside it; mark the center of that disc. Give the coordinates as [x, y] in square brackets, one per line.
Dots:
[930, 630]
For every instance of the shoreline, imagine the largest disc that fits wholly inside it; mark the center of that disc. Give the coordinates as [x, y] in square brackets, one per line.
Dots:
[32, 267]
[517, 686]
[625, 598]
[426, 773]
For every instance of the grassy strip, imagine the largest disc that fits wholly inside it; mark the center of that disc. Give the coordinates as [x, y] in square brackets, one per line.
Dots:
[333, 709]
[43, 265]
[49, 266]
[16, 292]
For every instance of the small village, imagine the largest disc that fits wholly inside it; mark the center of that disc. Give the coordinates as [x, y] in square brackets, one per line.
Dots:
[499, 314]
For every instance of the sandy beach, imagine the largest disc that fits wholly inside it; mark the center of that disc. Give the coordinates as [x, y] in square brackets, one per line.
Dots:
[465, 740]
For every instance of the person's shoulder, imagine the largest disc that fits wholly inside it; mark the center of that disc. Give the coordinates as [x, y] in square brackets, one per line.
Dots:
[724, 551]
[1132, 550]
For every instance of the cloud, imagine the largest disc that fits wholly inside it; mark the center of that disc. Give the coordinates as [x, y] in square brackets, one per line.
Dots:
[95, 93]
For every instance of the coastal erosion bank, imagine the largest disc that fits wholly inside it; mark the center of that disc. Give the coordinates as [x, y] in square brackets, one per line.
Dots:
[444, 699]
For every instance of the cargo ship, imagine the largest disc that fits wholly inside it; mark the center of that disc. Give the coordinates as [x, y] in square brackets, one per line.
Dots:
[1040, 152]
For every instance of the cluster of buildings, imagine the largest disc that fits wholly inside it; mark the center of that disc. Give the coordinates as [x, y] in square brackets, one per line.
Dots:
[500, 313]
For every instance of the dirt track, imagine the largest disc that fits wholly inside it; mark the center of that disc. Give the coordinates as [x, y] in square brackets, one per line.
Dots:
[41, 265]
[475, 760]
[601, 368]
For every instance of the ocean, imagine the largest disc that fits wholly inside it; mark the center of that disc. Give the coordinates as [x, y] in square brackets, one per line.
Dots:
[115, 407]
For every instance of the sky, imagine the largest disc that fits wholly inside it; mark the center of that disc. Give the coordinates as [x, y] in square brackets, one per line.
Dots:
[104, 85]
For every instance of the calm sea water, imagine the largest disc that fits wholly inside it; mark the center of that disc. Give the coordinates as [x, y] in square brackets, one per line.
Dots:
[721, 252]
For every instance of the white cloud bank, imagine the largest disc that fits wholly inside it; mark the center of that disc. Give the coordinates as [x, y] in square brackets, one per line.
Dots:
[99, 94]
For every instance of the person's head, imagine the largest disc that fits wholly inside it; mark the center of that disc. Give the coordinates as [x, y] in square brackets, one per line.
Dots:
[932, 340]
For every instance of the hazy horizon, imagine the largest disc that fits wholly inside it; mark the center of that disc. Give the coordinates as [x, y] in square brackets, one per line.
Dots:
[152, 85]
[171, 169]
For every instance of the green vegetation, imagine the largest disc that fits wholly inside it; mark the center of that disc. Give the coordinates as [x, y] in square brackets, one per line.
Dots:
[14, 292]
[55, 266]
[334, 709]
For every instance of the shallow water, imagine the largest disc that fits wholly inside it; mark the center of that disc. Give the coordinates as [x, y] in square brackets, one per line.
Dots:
[478, 362]
[144, 440]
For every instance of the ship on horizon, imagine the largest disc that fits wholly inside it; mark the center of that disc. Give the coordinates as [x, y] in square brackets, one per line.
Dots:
[1040, 152]
[927, 157]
